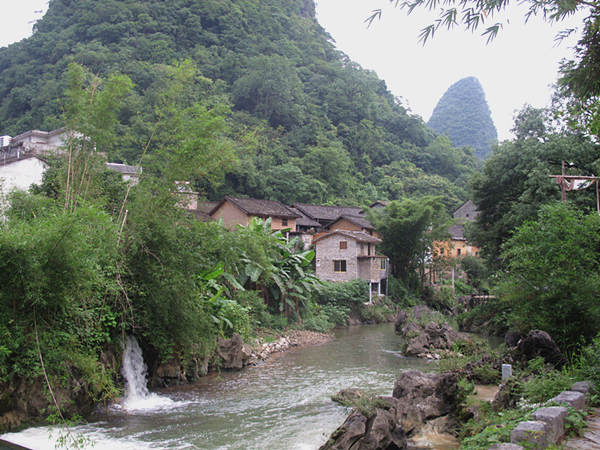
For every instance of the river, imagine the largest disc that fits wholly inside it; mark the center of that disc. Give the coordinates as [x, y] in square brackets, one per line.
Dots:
[282, 404]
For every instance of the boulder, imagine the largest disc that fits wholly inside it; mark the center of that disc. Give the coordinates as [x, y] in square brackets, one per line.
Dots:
[539, 343]
[511, 338]
[421, 397]
[348, 397]
[169, 373]
[399, 322]
[233, 353]
[418, 399]
[417, 345]
[508, 395]
[423, 340]
[359, 432]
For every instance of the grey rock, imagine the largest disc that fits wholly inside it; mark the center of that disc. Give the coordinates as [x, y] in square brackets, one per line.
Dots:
[582, 386]
[533, 432]
[539, 343]
[233, 353]
[506, 446]
[554, 417]
[570, 398]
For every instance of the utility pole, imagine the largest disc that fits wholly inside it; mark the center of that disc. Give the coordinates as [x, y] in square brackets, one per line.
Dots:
[568, 183]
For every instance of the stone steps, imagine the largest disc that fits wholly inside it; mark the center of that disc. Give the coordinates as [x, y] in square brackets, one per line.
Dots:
[548, 424]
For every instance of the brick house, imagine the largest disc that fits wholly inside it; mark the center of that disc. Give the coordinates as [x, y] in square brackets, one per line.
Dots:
[239, 211]
[343, 255]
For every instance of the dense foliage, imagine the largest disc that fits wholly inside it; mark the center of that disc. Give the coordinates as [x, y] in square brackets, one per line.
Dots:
[297, 120]
[552, 279]
[464, 116]
[515, 181]
[408, 229]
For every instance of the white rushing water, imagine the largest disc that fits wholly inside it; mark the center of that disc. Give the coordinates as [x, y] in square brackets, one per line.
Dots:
[134, 370]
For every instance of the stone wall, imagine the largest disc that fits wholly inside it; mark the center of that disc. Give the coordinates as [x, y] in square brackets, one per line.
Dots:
[327, 250]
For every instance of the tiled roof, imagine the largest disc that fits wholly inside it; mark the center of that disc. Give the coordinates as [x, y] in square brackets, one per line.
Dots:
[359, 221]
[200, 215]
[124, 168]
[457, 232]
[206, 207]
[379, 204]
[319, 212]
[304, 220]
[357, 235]
[261, 208]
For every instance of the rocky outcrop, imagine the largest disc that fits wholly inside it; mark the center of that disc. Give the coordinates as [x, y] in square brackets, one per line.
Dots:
[389, 422]
[422, 334]
[360, 430]
[421, 397]
[26, 401]
[233, 353]
[539, 343]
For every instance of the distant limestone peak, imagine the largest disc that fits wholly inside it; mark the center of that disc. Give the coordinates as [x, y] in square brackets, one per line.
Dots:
[464, 116]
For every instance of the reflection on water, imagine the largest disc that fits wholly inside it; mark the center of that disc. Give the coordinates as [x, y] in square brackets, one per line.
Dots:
[282, 404]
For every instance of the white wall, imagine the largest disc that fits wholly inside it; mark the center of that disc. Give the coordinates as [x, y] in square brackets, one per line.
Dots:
[21, 174]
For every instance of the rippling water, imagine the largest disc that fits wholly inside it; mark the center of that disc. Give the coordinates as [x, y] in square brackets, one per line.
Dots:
[282, 404]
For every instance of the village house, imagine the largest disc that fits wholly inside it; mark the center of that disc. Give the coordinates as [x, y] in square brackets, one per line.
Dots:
[23, 159]
[343, 255]
[240, 211]
[447, 252]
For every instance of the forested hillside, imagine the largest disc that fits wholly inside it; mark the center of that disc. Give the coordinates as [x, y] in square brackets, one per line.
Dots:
[301, 121]
[464, 116]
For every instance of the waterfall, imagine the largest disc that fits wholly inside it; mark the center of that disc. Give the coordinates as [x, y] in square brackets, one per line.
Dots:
[134, 370]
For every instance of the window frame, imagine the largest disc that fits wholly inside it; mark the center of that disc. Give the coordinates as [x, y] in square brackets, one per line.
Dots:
[343, 266]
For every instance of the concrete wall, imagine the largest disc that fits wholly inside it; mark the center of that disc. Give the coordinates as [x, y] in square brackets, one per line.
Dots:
[327, 250]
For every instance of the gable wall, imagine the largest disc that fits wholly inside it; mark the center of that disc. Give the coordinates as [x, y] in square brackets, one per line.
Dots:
[231, 215]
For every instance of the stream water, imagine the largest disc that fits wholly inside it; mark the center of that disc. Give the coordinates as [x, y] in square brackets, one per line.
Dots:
[282, 404]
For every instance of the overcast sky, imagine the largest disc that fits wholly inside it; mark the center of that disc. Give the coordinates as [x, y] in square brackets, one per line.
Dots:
[516, 68]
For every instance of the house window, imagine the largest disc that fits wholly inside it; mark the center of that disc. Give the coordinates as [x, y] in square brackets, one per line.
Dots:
[339, 265]
[343, 245]
[284, 222]
[458, 252]
[383, 264]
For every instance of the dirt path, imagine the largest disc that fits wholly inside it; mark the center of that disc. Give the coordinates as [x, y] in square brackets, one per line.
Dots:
[591, 435]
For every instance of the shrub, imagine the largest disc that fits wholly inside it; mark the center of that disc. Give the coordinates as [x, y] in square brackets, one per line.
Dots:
[486, 374]
[547, 383]
[257, 309]
[344, 294]
[587, 366]
[492, 427]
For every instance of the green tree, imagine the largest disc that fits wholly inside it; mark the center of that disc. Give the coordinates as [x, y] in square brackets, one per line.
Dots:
[408, 228]
[515, 181]
[552, 277]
